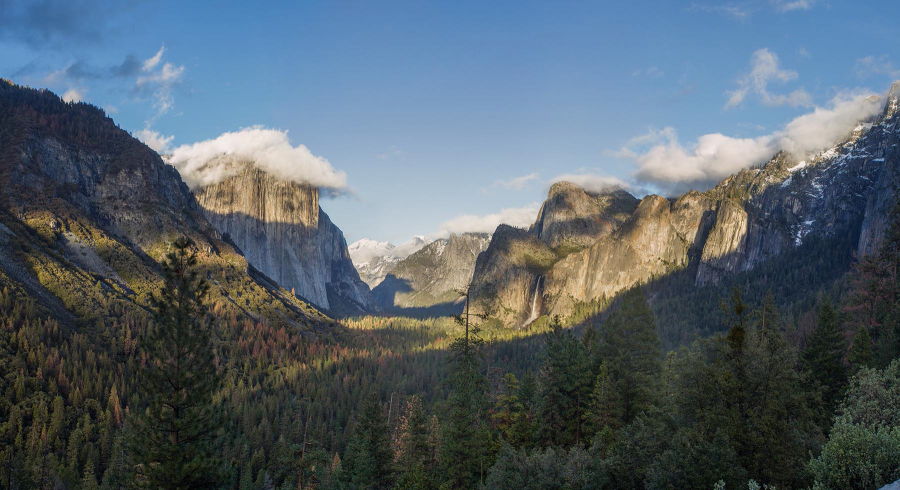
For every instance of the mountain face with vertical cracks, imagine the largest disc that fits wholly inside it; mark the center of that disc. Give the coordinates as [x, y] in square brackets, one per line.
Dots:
[587, 247]
[87, 212]
[283, 232]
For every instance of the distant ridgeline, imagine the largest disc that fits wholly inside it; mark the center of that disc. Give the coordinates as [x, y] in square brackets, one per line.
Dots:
[790, 227]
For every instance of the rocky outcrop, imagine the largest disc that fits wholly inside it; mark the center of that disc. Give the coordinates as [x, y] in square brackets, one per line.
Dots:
[433, 275]
[585, 247]
[575, 218]
[90, 211]
[283, 232]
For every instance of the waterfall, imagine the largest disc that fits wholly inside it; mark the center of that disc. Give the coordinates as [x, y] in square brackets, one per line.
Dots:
[535, 308]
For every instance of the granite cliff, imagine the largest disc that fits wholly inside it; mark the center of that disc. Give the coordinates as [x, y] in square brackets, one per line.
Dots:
[587, 246]
[280, 228]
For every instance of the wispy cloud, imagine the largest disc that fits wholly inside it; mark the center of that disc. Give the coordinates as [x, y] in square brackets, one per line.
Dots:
[733, 10]
[486, 223]
[515, 183]
[791, 5]
[593, 182]
[160, 143]
[159, 79]
[744, 10]
[390, 153]
[876, 65]
[764, 70]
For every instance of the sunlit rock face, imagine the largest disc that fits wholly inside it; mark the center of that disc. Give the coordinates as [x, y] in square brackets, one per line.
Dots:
[433, 275]
[586, 246]
[284, 233]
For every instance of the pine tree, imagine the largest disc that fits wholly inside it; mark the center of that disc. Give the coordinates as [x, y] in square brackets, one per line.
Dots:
[465, 441]
[860, 355]
[509, 415]
[824, 357]
[171, 441]
[368, 462]
[415, 453]
[631, 362]
[565, 389]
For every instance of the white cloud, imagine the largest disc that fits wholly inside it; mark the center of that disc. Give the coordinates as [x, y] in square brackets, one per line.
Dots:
[517, 183]
[158, 142]
[159, 81]
[876, 65]
[151, 62]
[211, 161]
[593, 182]
[825, 127]
[790, 5]
[663, 160]
[735, 11]
[161, 84]
[765, 69]
[73, 95]
[712, 157]
[487, 223]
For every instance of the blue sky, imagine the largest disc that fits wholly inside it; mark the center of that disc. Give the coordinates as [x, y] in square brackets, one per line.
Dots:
[440, 113]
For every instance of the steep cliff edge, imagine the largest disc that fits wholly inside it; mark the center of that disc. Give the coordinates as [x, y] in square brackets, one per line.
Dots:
[283, 232]
[842, 194]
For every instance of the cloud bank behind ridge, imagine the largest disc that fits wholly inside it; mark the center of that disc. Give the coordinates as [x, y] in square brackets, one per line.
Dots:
[211, 161]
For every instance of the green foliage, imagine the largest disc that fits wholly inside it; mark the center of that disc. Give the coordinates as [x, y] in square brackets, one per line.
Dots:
[824, 357]
[416, 453]
[172, 440]
[368, 462]
[465, 440]
[863, 448]
[630, 358]
[565, 388]
[546, 468]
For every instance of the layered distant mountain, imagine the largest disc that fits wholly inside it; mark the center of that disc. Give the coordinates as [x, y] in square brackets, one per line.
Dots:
[87, 211]
[373, 259]
[432, 277]
[280, 228]
[586, 247]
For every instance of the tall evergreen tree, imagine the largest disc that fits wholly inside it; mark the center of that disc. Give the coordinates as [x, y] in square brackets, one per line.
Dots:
[824, 357]
[171, 443]
[465, 441]
[509, 415]
[565, 389]
[415, 454]
[631, 362]
[860, 355]
[368, 462]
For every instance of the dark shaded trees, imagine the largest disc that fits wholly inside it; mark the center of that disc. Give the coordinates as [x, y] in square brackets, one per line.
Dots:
[824, 357]
[171, 443]
[368, 462]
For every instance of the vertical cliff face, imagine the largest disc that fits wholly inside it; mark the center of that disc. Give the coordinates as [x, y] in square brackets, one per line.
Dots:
[283, 232]
[585, 247]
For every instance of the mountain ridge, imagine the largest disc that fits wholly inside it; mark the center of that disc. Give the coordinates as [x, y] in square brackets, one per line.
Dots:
[747, 219]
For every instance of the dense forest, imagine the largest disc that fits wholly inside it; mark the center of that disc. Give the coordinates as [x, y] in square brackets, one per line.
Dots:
[194, 397]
